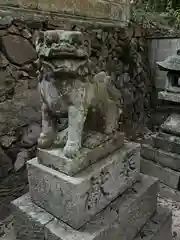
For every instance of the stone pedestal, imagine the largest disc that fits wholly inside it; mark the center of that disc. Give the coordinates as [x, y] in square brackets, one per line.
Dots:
[161, 159]
[97, 202]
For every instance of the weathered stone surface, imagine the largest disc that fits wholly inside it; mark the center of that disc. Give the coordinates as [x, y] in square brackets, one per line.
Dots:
[28, 3]
[165, 175]
[160, 49]
[6, 218]
[21, 159]
[172, 125]
[5, 164]
[168, 96]
[167, 159]
[158, 227]
[7, 83]
[18, 49]
[97, 9]
[85, 194]
[20, 110]
[5, 22]
[30, 220]
[166, 142]
[132, 209]
[168, 192]
[55, 158]
[3, 61]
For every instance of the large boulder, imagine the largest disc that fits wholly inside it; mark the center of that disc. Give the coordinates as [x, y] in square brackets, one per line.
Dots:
[18, 50]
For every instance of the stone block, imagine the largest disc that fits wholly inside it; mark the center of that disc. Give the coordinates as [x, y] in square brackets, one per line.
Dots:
[88, 192]
[166, 142]
[28, 3]
[167, 159]
[158, 227]
[96, 9]
[172, 124]
[11, 45]
[165, 175]
[29, 220]
[168, 192]
[132, 209]
[168, 96]
[55, 158]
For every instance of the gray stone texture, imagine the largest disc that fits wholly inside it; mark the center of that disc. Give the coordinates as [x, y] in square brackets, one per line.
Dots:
[108, 10]
[133, 209]
[167, 159]
[165, 175]
[166, 142]
[5, 164]
[56, 159]
[168, 192]
[12, 45]
[159, 49]
[168, 96]
[29, 220]
[158, 227]
[172, 125]
[88, 192]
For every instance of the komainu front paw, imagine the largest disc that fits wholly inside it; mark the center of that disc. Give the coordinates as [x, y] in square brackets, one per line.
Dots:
[71, 150]
[46, 140]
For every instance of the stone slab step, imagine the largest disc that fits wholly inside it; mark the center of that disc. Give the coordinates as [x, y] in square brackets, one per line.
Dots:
[76, 199]
[166, 142]
[168, 193]
[133, 209]
[168, 96]
[166, 175]
[95, 147]
[159, 227]
[167, 159]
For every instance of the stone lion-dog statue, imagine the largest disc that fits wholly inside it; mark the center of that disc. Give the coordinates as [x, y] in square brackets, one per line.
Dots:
[69, 84]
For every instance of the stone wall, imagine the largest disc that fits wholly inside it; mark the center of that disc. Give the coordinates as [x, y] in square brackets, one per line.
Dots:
[102, 9]
[120, 51]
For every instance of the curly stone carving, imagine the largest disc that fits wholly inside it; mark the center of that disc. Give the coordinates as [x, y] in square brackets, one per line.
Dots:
[70, 85]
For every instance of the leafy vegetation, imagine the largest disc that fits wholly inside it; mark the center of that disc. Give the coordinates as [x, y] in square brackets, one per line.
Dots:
[159, 13]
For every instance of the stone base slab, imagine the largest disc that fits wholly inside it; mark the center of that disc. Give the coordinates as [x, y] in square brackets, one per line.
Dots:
[55, 158]
[133, 209]
[172, 124]
[76, 199]
[166, 175]
[168, 192]
[168, 96]
[159, 227]
[166, 142]
[167, 159]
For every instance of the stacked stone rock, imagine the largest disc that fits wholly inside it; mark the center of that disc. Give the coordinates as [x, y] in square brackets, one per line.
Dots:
[162, 157]
[19, 118]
